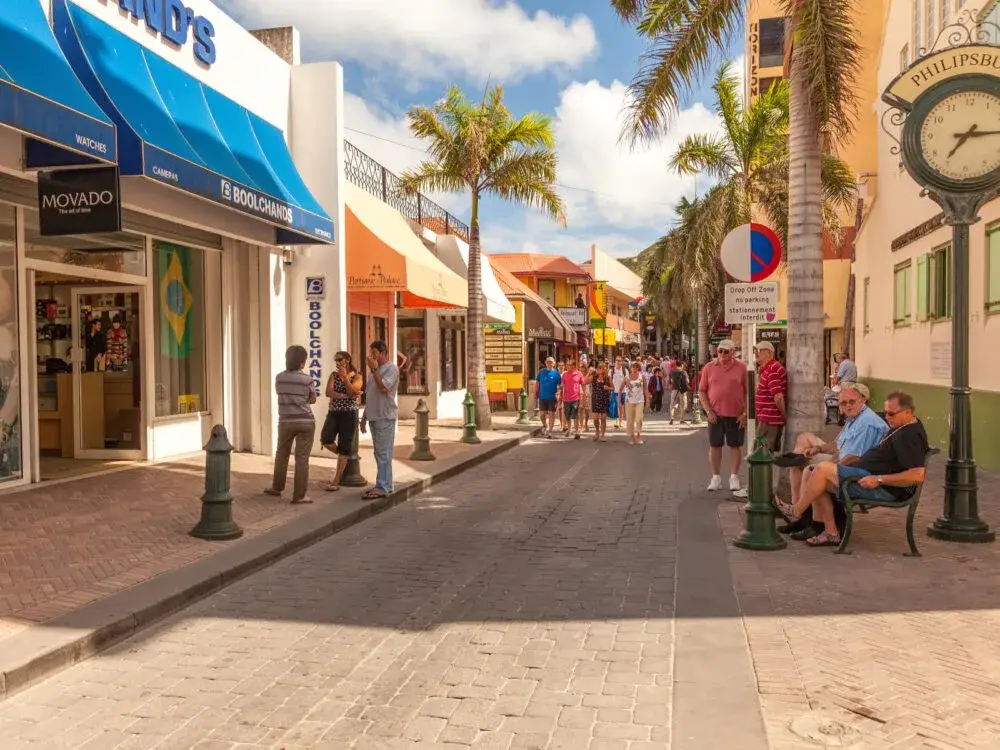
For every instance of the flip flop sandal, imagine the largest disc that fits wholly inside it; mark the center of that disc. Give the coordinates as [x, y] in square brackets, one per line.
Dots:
[824, 539]
[372, 495]
[332, 488]
[303, 501]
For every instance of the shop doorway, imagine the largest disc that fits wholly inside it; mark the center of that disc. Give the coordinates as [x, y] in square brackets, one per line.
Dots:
[88, 355]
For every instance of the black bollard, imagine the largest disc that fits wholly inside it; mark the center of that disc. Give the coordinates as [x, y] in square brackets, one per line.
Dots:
[217, 522]
[352, 470]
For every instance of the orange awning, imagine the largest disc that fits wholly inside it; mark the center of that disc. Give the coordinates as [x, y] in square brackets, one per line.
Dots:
[384, 255]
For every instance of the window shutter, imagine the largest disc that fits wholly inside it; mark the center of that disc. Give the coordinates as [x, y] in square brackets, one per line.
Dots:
[923, 288]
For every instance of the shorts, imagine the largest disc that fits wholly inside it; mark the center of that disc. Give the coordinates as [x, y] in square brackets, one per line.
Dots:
[339, 428]
[857, 492]
[772, 433]
[726, 431]
[571, 409]
[546, 405]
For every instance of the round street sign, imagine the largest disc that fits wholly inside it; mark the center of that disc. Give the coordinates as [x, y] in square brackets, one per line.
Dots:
[751, 252]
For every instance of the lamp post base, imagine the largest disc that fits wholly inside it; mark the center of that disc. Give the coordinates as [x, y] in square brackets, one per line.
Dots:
[952, 530]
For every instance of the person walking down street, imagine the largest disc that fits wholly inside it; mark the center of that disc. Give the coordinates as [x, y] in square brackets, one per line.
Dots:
[563, 424]
[296, 425]
[769, 399]
[343, 388]
[680, 384]
[656, 390]
[618, 376]
[546, 392]
[602, 390]
[723, 394]
[572, 392]
[381, 412]
[636, 400]
[587, 399]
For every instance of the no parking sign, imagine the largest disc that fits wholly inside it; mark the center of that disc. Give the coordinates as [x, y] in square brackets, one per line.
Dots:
[751, 252]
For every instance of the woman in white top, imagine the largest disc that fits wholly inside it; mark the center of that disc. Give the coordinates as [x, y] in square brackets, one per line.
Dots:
[619, 374]
[636, 398]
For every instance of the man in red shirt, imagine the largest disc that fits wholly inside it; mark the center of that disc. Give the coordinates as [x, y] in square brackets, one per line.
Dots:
[722, 389]
[772, 389]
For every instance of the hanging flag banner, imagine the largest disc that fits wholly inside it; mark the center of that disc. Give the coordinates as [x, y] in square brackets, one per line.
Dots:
[176, 300]
[598, 304]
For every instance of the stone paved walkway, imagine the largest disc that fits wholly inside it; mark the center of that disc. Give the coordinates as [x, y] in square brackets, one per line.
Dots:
[528, 604]
[66, 544]
[903, 651]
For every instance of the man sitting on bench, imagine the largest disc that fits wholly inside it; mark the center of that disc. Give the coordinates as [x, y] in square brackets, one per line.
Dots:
[863, 430]
[889, 471]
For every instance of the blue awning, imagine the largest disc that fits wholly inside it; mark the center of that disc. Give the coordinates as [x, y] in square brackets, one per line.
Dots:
[40, 95]
[174, 129]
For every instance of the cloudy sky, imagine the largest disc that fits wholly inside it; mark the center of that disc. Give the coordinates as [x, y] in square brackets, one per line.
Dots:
[570, 59]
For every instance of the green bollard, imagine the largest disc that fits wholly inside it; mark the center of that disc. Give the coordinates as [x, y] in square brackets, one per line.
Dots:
[760, 533]
[422, 434]
[469, 428]
[217, 522]
[352, 470]
[522, 413]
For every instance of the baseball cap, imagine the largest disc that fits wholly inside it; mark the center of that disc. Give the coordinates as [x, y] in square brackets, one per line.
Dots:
[727, 344]
[765, 345]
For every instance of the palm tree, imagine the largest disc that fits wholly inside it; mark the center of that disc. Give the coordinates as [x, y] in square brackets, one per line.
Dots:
[683, 37]
[482, 148]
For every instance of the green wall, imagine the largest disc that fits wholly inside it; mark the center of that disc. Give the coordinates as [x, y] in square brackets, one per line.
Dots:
[934, 407]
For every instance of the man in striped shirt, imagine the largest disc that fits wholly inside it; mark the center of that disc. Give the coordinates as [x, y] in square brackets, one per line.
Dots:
[772, 389]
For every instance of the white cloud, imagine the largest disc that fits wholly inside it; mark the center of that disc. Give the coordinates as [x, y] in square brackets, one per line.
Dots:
[431, 39]
[628, 186]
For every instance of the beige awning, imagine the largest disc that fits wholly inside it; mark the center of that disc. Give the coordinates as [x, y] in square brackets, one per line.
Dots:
[384, 255]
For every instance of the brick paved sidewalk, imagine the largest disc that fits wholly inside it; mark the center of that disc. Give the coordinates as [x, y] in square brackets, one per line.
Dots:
[64, 545]
[902, 651]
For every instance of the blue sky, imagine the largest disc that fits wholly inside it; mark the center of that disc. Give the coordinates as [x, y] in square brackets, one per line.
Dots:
[570, 59]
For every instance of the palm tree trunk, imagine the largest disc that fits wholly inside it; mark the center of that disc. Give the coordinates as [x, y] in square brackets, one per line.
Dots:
[805, 259]
[702, 333]
[475, 366]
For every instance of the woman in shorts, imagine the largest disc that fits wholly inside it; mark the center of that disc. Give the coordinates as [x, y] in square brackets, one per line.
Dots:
[343, 389]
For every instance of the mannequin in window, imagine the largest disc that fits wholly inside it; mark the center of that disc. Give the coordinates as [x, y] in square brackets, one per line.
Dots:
[96, 344]
[117, 350]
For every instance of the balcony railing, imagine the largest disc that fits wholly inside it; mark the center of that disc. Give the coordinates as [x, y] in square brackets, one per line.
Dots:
[369, 175]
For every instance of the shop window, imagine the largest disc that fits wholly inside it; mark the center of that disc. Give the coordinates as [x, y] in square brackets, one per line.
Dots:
[452, 356]
[121, 252]
[990, 24]
[901, 294]
[179, 330]
[10, 386]
[547, 291]
[772, 43]
[411, 341]
[866, 306]
[993, 268]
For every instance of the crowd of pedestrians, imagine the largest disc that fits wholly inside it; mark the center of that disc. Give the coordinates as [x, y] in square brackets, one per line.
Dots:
[583, 397]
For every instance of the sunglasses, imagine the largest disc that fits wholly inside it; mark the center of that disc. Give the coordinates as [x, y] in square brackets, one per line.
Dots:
[891, 414]
[725, 351]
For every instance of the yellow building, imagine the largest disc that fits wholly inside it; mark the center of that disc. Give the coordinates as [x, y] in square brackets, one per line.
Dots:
[768, 44]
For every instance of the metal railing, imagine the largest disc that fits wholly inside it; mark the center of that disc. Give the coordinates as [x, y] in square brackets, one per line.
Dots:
[371, 176]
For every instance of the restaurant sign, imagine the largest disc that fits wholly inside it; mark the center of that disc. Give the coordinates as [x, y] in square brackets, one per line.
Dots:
[504, 352]
[576, 317]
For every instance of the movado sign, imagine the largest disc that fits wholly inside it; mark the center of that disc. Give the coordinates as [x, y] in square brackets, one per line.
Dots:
[176, 23]
[79, 201]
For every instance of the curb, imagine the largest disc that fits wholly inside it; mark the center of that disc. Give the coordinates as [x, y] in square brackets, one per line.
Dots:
[41, 650]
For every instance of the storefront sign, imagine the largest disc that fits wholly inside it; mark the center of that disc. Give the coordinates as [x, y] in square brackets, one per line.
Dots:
[376, 281]
[541, 333]
[598, 304]
[576, 317]
[315, 292]
[921, 230]
[79, 201]
[754, 39]
[770, 334]
[504, 352]
[752, 303]
[935, 68]
[173, 21]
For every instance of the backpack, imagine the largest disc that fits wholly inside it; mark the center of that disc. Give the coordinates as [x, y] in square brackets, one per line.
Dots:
[681, 383]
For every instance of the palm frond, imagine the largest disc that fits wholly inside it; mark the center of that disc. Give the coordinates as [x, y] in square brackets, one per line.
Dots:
[826, 36]
[431, 177]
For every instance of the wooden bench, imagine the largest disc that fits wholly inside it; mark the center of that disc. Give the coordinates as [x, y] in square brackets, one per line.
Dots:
[862, 506]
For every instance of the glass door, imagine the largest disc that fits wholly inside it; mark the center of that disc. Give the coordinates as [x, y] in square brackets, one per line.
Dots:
[107, 382]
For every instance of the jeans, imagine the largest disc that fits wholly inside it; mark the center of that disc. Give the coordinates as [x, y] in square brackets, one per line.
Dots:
[656, 402]
[857, 492]
[384, 440]
[302, 435]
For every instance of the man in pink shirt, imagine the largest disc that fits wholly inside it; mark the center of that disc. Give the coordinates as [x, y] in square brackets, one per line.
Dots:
[722, 389]
[572, 390]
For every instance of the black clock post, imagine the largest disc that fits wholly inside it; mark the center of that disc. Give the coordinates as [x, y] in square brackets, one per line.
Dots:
[947, 101]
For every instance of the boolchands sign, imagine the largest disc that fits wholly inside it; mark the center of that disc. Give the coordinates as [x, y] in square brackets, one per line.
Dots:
[79, 201]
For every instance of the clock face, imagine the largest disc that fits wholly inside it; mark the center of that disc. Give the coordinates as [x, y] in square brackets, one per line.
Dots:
[960, 136]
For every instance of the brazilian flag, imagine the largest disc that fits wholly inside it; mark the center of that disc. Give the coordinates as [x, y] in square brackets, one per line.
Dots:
[176, 300]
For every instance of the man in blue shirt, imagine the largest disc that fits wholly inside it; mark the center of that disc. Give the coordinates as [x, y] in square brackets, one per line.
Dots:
[547, 393]
[862, 431]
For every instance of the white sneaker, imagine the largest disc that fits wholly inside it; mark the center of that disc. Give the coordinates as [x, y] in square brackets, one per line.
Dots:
[742, 493]
[734, 482]
[715, 484]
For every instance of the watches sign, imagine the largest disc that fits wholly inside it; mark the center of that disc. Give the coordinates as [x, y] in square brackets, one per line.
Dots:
[175, 23]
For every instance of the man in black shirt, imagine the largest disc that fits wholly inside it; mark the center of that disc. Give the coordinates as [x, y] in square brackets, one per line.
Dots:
[889, 471]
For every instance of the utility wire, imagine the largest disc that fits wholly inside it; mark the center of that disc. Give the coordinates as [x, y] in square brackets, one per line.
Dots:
[564, 187]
